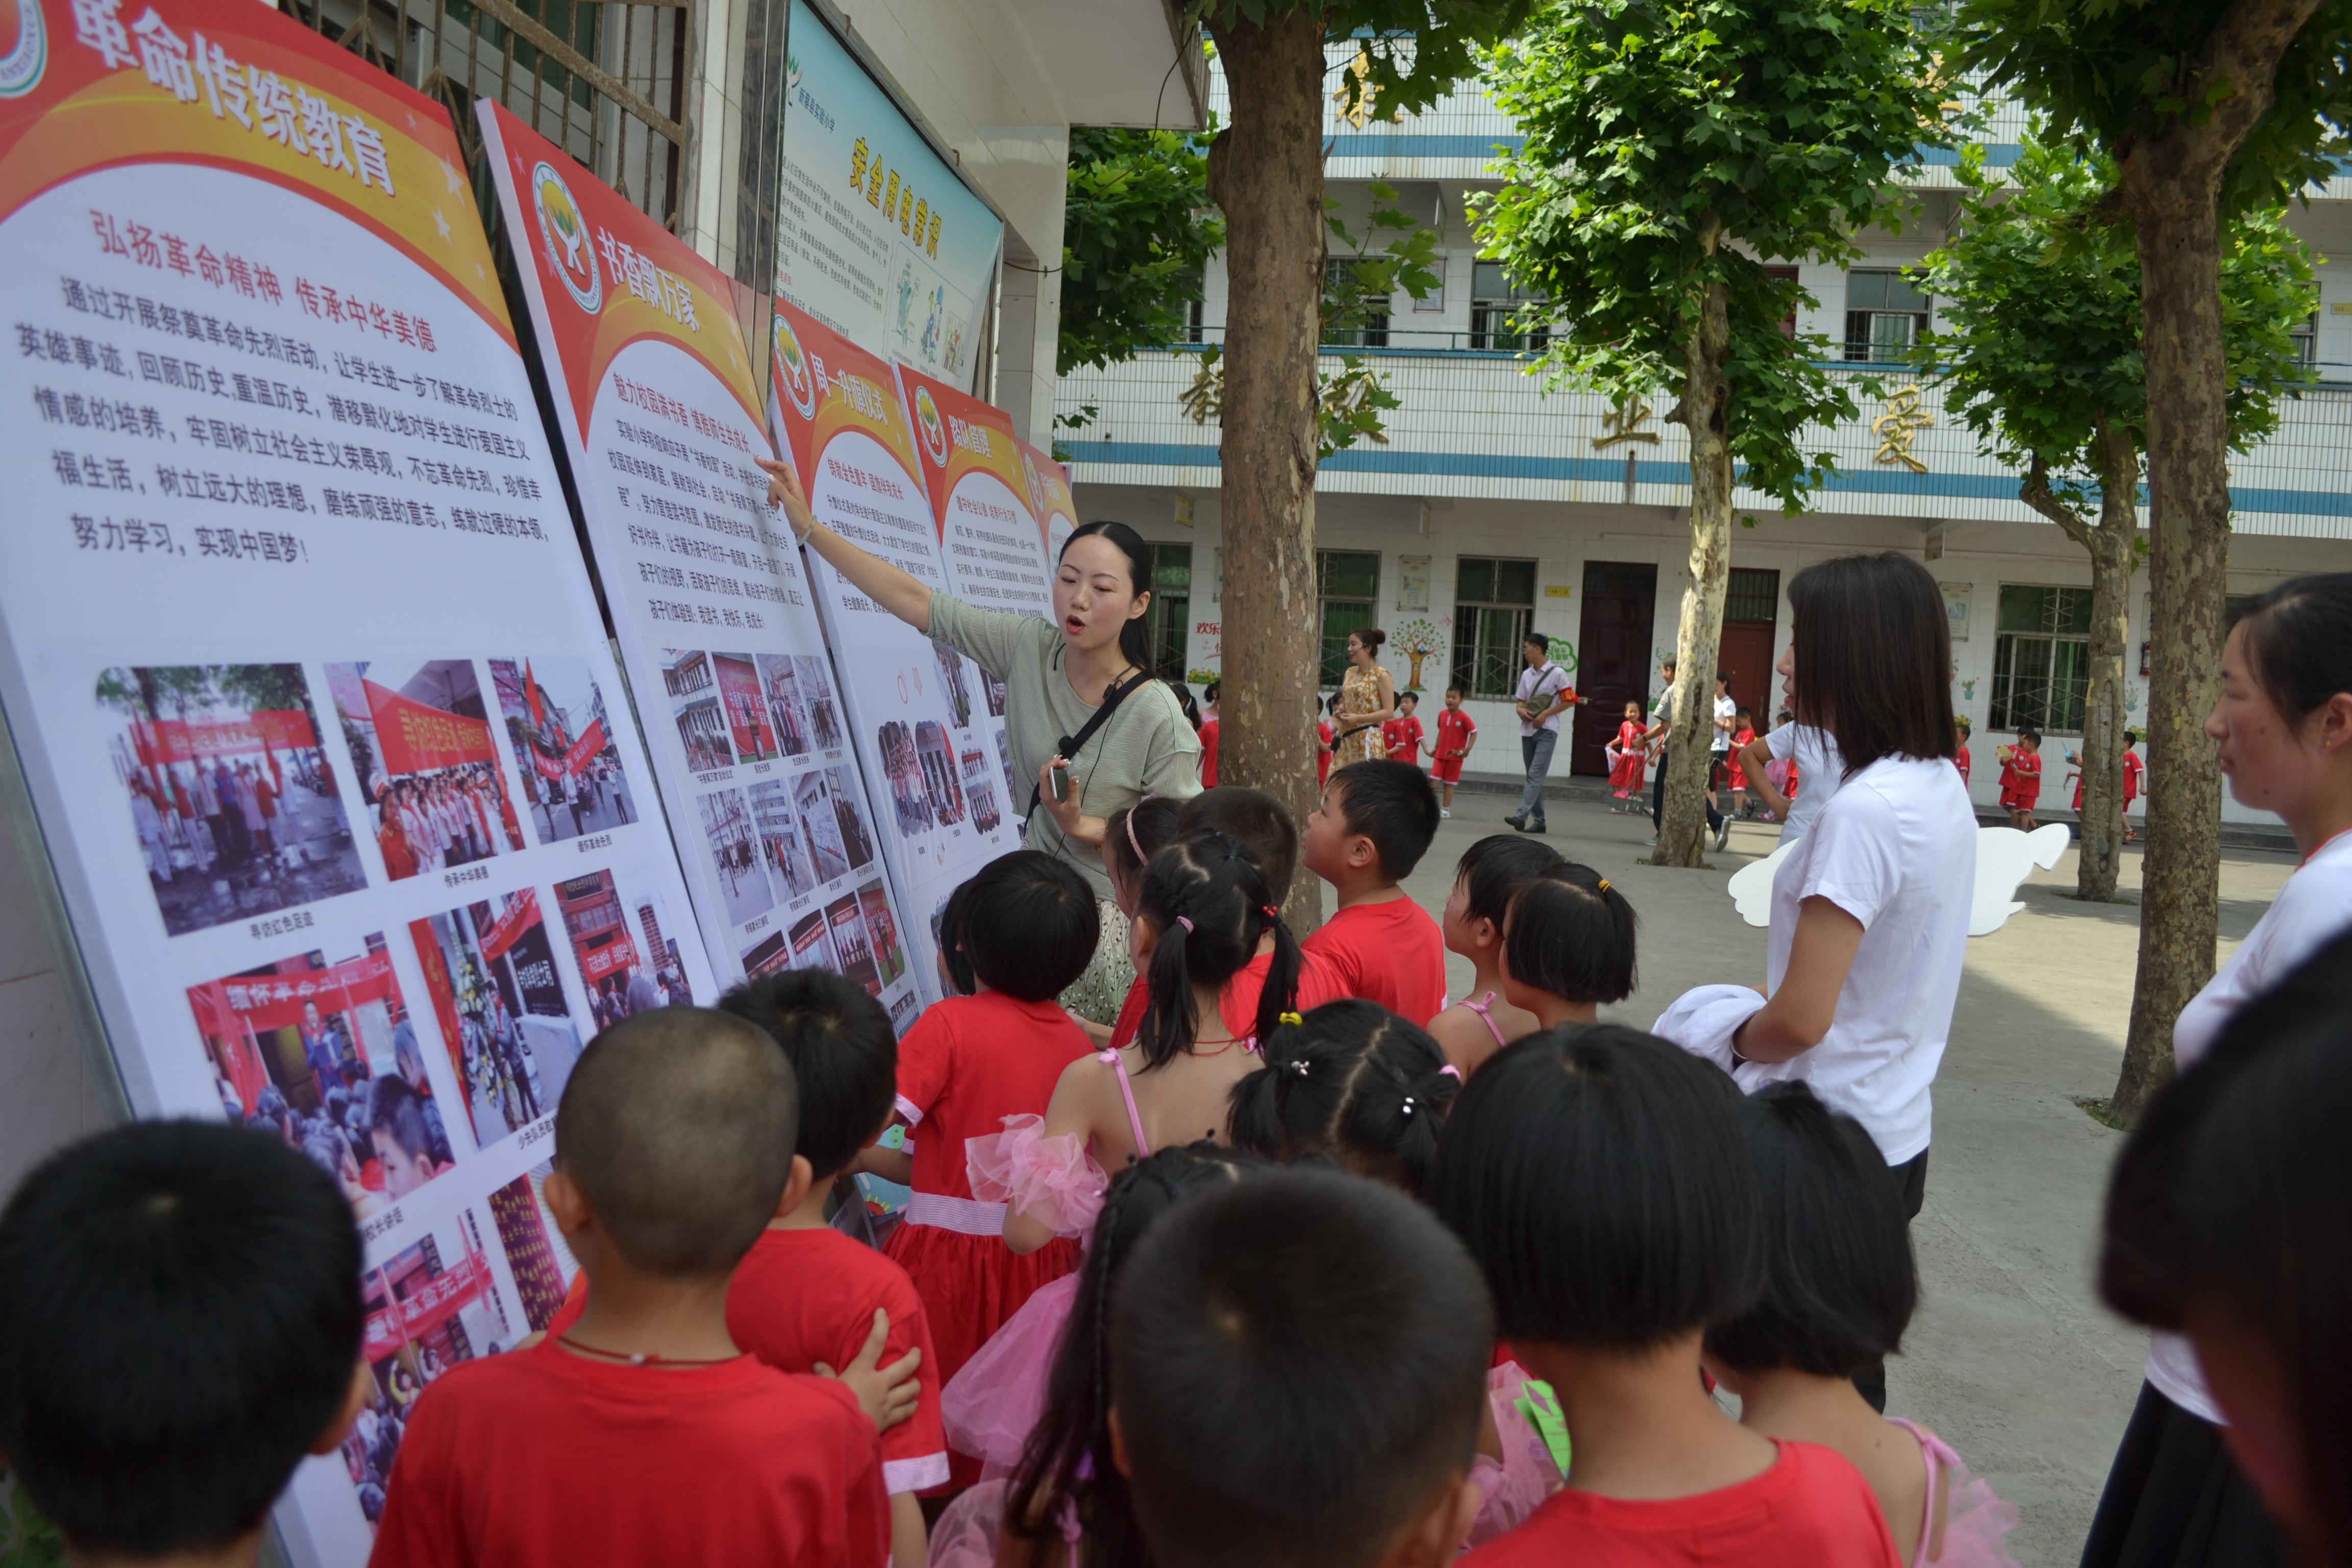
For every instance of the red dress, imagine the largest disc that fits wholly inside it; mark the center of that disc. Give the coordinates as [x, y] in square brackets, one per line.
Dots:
[1626, 774]
[1209, 753]
[1323, 754]
[969, 1063]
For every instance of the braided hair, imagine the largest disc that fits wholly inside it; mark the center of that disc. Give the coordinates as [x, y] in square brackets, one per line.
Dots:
[1067, 1463]
[1354, 1081]
[1206, 897]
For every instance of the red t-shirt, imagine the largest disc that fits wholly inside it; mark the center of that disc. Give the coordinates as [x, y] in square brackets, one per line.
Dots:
[541, 1459]
[1323, 752]
[801, 1296]
[2133, 769]
[1392, 953]
[1209, 753]
[1401, 738]
[1810, 1509]
[1960, 761]
[2021, 776]
[969, 1063]
[1454, 729]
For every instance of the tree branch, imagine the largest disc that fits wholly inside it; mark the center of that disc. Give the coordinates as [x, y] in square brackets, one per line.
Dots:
[2034, 491]
[2243, 52]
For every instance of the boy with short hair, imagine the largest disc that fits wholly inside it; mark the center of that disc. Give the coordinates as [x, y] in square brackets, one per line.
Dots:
[1961, 729]
[644, 1433]
[1297, 1364]
[2021, 777]
[1456, 733]
[180, 1326]
[1374, 824]
[1401, 736]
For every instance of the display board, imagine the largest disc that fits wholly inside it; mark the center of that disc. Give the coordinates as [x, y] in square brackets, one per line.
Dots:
[877, 237]
[658, 398]
[1050, 501]
[989, 540]
[916, 708]
[299, 645]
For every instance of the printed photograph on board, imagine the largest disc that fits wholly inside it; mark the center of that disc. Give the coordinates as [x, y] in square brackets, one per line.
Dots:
[952, 667]
[980, 790]
[904, 1012]
[694, 705]
[1012, 791]
[430, 1306]
[780, 678]
[821, 825]
[490, 969]
[905, 773]
[812, 947]
[419, 737]
[324, 1056]
[937, 757]
[231, 795]
[816, 686]
[882, 931]
[735, 855]
[769, 953]
[563, 739]
[781, 847]
[628, 963]
[543, 1266]
[746, 704]
[851, 943]
[994, 690]
[849, 814]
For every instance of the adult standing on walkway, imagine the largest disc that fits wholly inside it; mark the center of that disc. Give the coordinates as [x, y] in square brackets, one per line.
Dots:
[2175, 1497]
[1367, 700]
[1543, 696]
[1086, 674]
[1870, 913]
[1662, 721]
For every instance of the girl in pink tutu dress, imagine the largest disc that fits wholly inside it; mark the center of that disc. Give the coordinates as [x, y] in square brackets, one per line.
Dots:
[1353, 1083]
[1840, 1288]
[1031, 1403]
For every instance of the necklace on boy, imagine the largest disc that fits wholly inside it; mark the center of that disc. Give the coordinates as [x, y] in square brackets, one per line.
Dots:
[635, 1358]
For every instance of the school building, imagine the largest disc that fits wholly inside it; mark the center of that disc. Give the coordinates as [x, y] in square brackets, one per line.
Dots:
[1495, 506]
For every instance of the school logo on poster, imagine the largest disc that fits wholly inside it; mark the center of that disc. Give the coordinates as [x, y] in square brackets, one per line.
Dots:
[565, 235]
[934, 428]
[23, 47]
[799, 385]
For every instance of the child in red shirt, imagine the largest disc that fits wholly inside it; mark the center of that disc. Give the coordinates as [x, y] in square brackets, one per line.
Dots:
[1401, 736]
[1029, 930]
[1627, 755]
[1456, 733]
[1323, 733]
[2135, 780]
[1209, 733]
[2021, 778]
[1374, 824]
[1961, 752]
[1560, 1138]
[1736, 773]
[642, 1433]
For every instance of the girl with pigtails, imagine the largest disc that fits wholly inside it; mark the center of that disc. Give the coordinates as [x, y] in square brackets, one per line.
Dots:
[1038, 1410]
[1353, 1083]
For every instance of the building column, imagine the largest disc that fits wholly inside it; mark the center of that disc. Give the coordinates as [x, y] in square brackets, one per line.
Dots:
[1028, 323]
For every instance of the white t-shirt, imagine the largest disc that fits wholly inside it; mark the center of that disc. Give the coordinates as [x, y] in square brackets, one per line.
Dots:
[1541, 687]
[1897, 850]
[1820, 769]
[2314, 906]
[1720, 740]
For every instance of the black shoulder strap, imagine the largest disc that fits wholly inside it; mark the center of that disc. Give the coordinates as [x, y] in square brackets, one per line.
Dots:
[1068, 746]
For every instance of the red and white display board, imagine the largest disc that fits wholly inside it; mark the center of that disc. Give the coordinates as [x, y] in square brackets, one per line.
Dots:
[918, 709]
[658, 398]
[305, 678]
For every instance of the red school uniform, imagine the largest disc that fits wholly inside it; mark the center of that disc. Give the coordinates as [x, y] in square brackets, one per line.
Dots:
[542, 1459]
[1323, 754]
[2132, 770]
[1960, 761]
[1625, 774]
[1810, 1509]
[1400, 739]
[801, 1296]
[1454, 729]
[1209, 753]
[2021, 781]
[1737, 772]
[969, 1063]
[1392, 953]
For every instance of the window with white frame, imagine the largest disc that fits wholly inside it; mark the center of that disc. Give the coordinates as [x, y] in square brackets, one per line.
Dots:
[1494, 603]
[1494, 300]
[2041, 659]
[1886, 316]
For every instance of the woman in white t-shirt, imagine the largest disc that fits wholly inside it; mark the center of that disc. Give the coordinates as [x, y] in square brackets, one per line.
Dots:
[2284, 722]
[1870, 912]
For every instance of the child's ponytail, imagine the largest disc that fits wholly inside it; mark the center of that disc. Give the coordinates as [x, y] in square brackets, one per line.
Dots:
[1279, 998]
[1206, 899]
[1571, 932]
[1353, 1081]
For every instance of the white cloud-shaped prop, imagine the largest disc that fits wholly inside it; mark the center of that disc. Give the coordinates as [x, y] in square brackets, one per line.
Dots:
[2003, 857]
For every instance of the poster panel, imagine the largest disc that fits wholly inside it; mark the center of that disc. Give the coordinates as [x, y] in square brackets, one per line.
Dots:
[876, 237]
[658, 398]
[300, 659]
[916, 709]
[1050, 501]
[990, 541]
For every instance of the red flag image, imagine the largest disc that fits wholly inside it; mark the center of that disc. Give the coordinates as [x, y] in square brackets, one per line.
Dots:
[416, 739]
[531, 689]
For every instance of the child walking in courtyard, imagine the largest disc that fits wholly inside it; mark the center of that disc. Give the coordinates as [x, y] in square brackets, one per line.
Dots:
[1456, 733]
[1628, 755]
[2021, 777]
[1735, 772]
[1403, 734]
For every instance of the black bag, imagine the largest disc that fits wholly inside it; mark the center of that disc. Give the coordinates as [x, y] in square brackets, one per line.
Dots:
[1068, 746]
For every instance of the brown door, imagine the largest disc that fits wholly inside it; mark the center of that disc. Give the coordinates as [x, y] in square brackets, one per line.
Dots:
[1612, 652]
[1751, 605]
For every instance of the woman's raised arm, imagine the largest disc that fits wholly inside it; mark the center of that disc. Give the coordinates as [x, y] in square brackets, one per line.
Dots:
[901, 593]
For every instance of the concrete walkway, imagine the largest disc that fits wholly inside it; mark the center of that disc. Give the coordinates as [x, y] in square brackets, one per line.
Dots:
[2012, 1358]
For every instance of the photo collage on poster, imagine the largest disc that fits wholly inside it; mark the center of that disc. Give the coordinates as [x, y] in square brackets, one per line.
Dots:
[659, 404]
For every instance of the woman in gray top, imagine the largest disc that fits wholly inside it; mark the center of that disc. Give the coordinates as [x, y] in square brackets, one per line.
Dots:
[1055, 677]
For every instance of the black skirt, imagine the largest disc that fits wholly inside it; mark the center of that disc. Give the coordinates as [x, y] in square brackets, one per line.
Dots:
[2176, 1499]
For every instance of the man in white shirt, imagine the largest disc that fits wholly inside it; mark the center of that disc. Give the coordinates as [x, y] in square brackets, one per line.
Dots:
[1544, 694]
[1662, 720]
[1718, 745]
